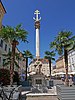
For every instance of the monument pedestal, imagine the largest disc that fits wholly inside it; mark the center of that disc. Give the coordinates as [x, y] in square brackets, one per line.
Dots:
[39, 83]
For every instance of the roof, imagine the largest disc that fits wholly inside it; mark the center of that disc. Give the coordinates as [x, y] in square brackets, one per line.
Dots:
[42, 60]
[2, 6]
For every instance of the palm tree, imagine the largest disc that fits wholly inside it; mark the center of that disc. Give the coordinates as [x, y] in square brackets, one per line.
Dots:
[27, 54]
[63, 43]
[50, 57]
[14, 35]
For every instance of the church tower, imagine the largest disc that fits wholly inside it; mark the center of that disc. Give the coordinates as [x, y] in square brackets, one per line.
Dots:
[2, 12]
[37, 28]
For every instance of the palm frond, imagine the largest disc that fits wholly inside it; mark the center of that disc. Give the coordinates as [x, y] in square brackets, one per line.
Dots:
[17, 33]
[63, 40]
[28, 54]
[49, 55]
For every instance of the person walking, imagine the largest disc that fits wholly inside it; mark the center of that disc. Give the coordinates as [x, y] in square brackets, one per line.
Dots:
[73, 79]
[70, 80]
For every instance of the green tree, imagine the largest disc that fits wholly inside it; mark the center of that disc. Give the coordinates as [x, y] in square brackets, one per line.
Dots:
[7, 60]
[63, 43]
[27, 54]
[50, 56]
[13, 35]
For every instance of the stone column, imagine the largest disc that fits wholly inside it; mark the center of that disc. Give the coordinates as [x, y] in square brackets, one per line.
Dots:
[37, 28]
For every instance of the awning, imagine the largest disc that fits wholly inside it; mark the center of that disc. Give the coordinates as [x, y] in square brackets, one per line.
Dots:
[60, 73]
[53, 74]
[32, 73]
[71, 72]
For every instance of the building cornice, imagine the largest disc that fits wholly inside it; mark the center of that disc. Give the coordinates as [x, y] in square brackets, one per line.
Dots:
[2, 6]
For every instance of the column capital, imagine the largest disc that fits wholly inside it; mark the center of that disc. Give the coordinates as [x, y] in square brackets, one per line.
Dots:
[37, 25]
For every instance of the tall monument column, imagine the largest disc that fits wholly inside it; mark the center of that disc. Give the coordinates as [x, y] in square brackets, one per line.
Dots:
[37, 28]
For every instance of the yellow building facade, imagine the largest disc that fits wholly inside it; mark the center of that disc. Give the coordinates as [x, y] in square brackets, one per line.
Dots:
[2, 12]
[60, 64]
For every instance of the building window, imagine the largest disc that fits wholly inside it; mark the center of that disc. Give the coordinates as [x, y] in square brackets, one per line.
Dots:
[72, 60]
[5, 47]
[1, 43]
[0, 13]
[0, 59]
[9, 49]
[3, 61]
[73, 66]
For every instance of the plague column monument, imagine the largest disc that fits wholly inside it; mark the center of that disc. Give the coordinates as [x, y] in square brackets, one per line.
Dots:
[37, 27]
[38, 65]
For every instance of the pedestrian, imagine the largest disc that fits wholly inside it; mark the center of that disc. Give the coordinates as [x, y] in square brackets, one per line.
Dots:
[63, 78]
[73, 79]
[70, 80]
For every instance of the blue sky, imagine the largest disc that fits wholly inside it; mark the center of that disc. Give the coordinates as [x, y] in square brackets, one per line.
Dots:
[56, 15]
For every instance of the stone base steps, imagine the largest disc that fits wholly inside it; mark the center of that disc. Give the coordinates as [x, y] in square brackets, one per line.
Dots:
[41, 97]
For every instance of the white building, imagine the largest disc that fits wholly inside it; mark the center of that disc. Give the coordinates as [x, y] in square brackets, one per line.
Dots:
[5, 47]
[71, 60]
